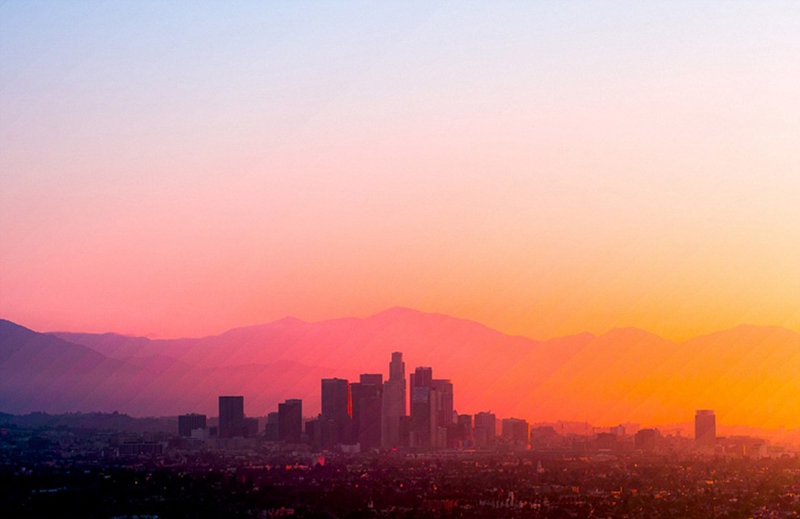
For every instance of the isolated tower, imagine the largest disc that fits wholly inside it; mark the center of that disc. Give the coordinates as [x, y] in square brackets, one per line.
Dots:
[705, 429]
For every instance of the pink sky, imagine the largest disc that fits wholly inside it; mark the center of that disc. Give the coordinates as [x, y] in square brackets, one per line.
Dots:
[544, 169]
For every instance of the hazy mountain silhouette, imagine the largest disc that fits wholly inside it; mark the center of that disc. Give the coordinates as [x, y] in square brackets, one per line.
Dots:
[748, 374]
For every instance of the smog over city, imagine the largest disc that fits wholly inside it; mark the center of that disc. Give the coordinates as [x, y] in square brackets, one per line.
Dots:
[399, 260]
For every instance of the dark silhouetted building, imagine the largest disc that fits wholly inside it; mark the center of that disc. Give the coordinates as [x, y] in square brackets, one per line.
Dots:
[646, 440]
[249, 428]
[705, 429]
[605, 441]
[422, 407]
[422, 417]
[393, 403]
[290, 421]
[337, 408]
[231, 416]
[460, 435]
[485, 429]
[373, 379]
[431, 409]
[322, 432]
[515, 431]
[271, 431]
[422, 377]
[442, 402]
[189, 422]
[367, 408]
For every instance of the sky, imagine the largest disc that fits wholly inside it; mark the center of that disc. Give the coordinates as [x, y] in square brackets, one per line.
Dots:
[546, 168]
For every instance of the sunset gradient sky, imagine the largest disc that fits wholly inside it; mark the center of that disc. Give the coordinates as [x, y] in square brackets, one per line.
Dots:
[545, 168]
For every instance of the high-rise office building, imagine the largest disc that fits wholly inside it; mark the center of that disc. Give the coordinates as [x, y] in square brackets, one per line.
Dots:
[373, 379]
[442, 402]
[705, 429]
[231, 416]
[393, 402]
[431, 409]
[461, 434]
[484, 429]
[421, 407]
[290, 421]
[422, 377]
[422, 416]
[367, 404]
[515, 431]
[271, 431]
[337, 408]
[189, 422]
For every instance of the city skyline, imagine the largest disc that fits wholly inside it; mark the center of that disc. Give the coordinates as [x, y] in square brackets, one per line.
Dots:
[423, 259]
[564, 177]
[626, 375]
[354, 419]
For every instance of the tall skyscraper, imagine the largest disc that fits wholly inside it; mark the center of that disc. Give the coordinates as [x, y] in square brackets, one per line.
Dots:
[705, 429]
[367, 403]
[231, 416]
[290, 421]
[393, 402]
[422, 377]
[189, 422]
[442, 403]
[337, 408]
[422, 416]
[431, 409]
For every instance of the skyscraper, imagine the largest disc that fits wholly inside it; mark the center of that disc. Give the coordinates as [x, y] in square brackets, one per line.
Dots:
[231, 416]
[393, 402]
[431, 409]
[290, 421]
[442, 403]
[337, 407]
[422, 416]
[366, 395]
[485, 429]
[422, 377]
[705, 429]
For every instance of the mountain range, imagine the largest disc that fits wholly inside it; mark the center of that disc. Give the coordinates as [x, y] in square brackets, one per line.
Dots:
[750, 375]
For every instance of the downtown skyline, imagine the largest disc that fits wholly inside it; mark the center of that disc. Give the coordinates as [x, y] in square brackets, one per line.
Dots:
[747, 374]
[373, 414]
[419, 259]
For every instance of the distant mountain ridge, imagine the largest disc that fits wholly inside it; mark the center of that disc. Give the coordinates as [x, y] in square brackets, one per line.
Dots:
[747, 374]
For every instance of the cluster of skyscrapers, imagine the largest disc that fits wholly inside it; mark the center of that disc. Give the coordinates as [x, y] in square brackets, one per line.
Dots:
[373, 413]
